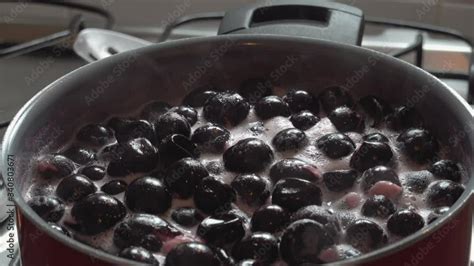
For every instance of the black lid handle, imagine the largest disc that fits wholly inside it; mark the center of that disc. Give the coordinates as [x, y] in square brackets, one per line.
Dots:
[304, 18]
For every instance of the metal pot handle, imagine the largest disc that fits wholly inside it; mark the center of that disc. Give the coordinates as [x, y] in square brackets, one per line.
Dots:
[95, 44]
[302, 18]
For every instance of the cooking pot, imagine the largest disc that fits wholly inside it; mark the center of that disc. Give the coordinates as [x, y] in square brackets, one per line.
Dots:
[290, 55]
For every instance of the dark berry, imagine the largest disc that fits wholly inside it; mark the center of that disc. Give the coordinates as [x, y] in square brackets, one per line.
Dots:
[221, 229]
[371, 154]
[271, 218]
[172, 123]
[183, 176]
[375, 137]
[148, 195]
[116, 123]
[50, 209]
[271, 106]
[251, 188]
[405, 222]
[97, 213]
[93, 172]
[418, 181]
[419, 144]
[237, 212]
[290, 139]
[321, 215]
[259, 246]
[192, 253]
[94, 134]
[60, 229]
[334, 97]
[403, 117]
[254, 89]
[304, 120]
[112, 152]
[186, 216]
[211, 137]
[145, 230]
[335, 145]
[134, 156]
[302, 242]
[114, 187]
[444, 193]
[175, 147]
[346, 119]
[224, 258]
[340, 180]
[133, 129]
[139, 254]
[188, 112]
[75, 187]
[248, 155]
[79, 155]
[54, 166]
[376, 174]
[375, 108]
[226, 109]
[294, 168]
[152, 111]
[365, 235]
[446, 169]
[437, 213]
[198, 97]
[295, 193]
[378, 206]
[213, 195]
[300, 100]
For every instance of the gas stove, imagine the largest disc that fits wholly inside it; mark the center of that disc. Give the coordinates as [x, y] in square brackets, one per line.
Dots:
[26, 68]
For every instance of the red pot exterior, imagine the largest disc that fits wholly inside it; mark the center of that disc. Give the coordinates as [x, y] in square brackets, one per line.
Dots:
[38, 248]
[450, 245]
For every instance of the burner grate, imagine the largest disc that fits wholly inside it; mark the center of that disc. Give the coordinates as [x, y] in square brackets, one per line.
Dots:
[76, 24]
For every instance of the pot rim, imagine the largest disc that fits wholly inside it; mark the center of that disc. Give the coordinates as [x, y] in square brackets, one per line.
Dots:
[242, 39]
